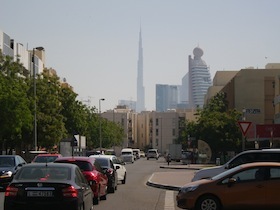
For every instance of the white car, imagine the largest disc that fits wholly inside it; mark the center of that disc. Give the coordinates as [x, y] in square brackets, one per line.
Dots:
[119, 165]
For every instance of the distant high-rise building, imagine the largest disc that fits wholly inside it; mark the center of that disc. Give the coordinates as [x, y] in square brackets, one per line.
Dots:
[129, 103]
[199, 79]
[166, 97]
[140, 103]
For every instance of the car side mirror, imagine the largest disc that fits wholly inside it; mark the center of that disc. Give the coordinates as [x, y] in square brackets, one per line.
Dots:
[231, 181]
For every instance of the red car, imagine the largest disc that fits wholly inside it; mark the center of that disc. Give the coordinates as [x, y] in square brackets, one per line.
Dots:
[93, 173]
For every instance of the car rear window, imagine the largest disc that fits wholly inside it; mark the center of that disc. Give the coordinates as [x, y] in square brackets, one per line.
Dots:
[44, 173]
[45, 159]
[103, 162]
[83, 165]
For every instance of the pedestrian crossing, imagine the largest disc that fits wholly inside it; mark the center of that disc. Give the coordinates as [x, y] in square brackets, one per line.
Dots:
[169, 200]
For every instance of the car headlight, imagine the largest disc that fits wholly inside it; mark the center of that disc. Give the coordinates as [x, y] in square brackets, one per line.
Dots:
[7, 174]
[188, 189]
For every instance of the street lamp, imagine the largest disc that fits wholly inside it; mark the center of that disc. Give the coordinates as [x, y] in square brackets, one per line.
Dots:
[100, 140]
[35, 104]
[243, 119]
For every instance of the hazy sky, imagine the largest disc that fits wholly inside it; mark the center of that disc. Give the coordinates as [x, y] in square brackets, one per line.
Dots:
[94, 44]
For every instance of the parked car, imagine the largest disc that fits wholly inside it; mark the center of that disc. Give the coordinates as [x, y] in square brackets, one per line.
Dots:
[152, 153]
[93, 172]
[271, 155]
[56, 186]
[120, 167]
[248, 186]
[127, 155]
[46, 158]
[9, 165]
[142, 154]
[110, 170]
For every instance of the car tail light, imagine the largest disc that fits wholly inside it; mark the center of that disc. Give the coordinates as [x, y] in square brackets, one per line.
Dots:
[70, 192]
[11, 191]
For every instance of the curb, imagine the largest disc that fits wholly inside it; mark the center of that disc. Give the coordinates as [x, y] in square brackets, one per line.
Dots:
[161, 186]
[176, 167]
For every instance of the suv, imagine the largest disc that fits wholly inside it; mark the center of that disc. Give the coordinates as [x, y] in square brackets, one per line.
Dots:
[249, 156]
[152, 153]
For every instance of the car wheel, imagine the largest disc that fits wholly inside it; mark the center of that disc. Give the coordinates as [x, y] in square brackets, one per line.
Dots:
[208, 203]
[124, 179]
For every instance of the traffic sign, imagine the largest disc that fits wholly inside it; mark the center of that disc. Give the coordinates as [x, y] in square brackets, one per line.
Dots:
[244, 126]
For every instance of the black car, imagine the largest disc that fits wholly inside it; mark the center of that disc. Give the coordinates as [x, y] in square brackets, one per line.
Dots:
[110, 170]
[45, 186]
[9, 164]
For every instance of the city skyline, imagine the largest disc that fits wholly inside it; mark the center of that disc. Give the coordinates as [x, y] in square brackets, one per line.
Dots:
[94, 45]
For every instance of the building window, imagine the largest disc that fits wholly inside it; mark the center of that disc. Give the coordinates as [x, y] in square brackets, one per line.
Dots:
[157, 122]
[173, 132]
[156, 142]
[156, 132]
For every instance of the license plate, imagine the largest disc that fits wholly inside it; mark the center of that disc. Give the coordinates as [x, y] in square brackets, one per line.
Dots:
[39, 194]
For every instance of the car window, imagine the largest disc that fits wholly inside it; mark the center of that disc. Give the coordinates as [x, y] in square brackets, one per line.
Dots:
[84, 165]
[7, 161]
[275, 173]
[103, 162]
[244, 158]
[98, 167]
[45, 159]
[46, 173]
[243, 176]
[80, 178]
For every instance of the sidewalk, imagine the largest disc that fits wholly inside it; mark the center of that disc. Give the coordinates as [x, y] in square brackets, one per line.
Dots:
[174, 179]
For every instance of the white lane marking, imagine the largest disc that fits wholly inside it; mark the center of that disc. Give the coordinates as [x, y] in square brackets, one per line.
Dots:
[169, 200]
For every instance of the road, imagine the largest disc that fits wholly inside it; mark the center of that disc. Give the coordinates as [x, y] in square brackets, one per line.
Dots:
[135, 194]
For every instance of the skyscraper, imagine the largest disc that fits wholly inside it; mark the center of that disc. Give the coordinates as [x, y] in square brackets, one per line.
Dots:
[166, 97]
[199, 79]
[140, 103]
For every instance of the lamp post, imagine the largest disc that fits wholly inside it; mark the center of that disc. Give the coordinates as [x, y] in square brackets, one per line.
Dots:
[243, 137]
[100, 139]
[35, 102]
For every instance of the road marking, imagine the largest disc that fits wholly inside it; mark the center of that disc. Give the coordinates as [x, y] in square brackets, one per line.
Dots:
[169, 200]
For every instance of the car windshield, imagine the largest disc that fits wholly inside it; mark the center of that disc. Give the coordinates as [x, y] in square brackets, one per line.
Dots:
[44, 173]
[126, 153]
[7, 161]
[45, 159]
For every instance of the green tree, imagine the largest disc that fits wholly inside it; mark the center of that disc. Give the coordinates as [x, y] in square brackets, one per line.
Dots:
[15, 114]
[217, 125]
[50, 121]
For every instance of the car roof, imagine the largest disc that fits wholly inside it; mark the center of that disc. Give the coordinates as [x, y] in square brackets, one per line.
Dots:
[256, 164]
[103, 156]
[260, 151]
[82, 158]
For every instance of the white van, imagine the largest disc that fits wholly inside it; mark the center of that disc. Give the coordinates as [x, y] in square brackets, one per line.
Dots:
[264, 155]
[127, 155]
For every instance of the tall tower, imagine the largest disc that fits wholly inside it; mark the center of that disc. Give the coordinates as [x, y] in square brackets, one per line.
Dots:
[199, 79]
[140, 104]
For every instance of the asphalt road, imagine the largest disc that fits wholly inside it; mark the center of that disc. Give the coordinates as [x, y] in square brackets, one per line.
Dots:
[136, 194]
